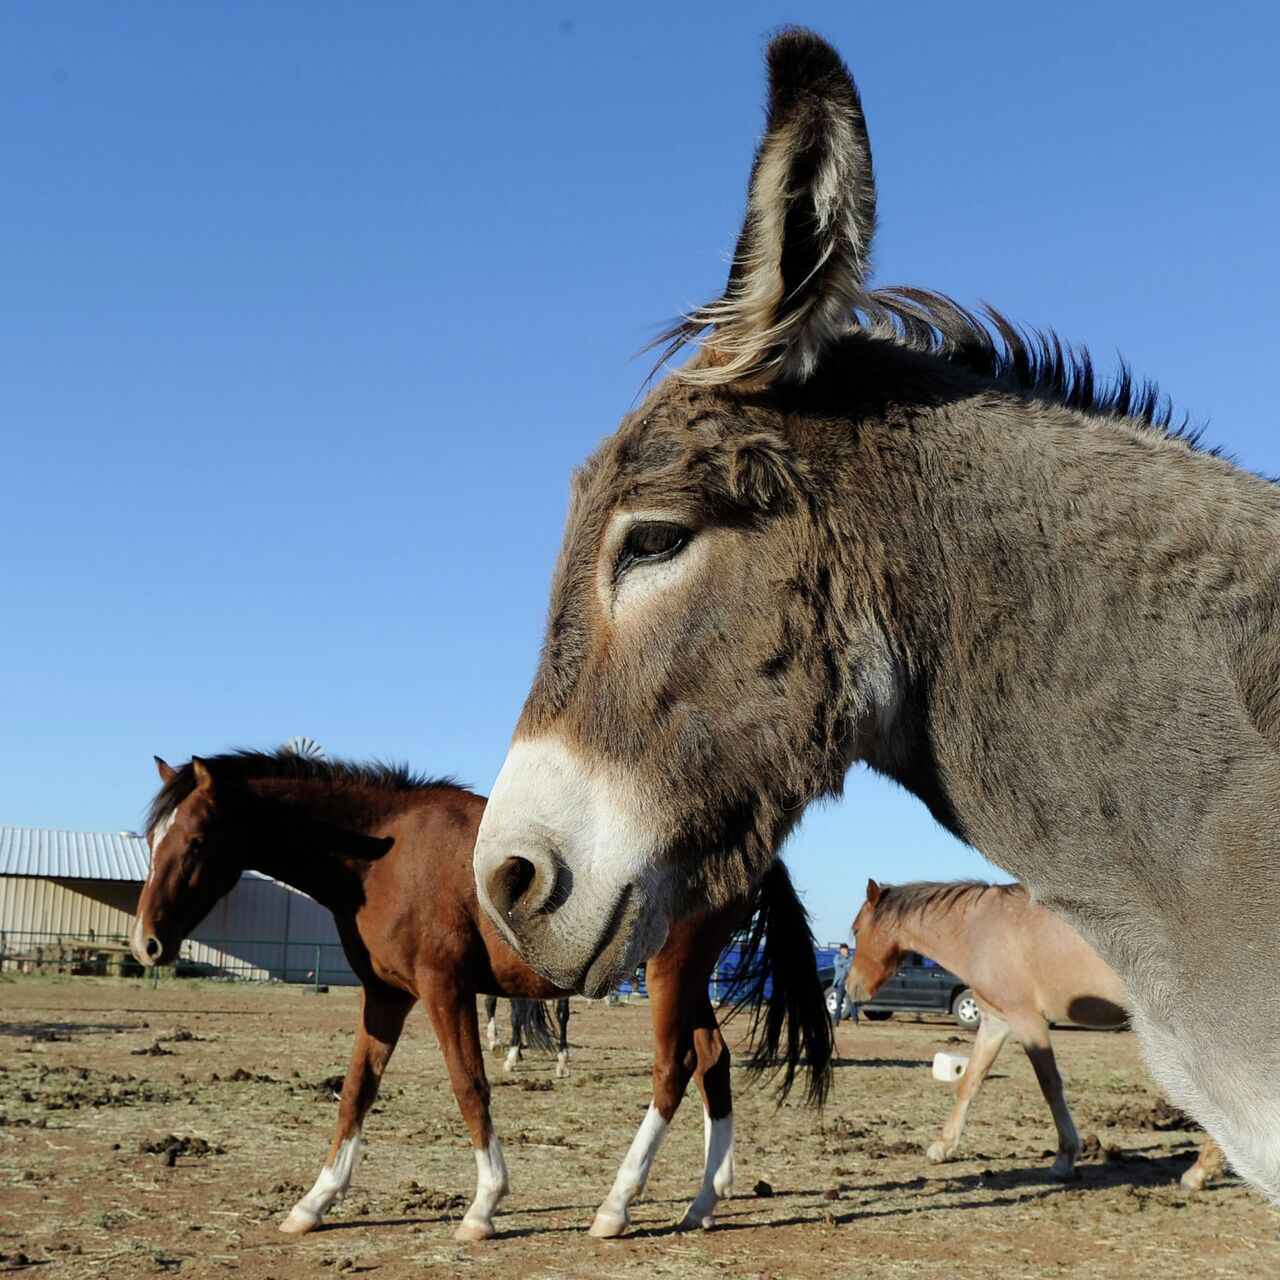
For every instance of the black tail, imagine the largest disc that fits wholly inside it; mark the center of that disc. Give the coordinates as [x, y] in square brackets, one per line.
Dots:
[779, 947]
[531, 1026]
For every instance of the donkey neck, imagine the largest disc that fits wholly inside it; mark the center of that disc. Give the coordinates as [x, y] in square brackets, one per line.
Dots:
[316, 838]
[1054, 583]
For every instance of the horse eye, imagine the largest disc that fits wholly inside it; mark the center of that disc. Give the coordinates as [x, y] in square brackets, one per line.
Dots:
[197, 843]
[650, 541]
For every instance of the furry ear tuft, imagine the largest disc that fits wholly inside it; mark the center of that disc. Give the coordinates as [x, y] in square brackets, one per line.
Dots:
[799, 268]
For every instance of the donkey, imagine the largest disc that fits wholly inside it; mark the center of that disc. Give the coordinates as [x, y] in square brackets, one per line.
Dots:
[390, 855]
[1027, 969]
[530, 1029]
[868, 526]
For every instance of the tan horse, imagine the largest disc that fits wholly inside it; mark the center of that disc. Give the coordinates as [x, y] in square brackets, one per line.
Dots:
[390, 855]
[1027, 969]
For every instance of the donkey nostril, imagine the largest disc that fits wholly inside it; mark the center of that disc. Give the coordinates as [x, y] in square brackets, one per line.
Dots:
[510, 883]
[152, 947]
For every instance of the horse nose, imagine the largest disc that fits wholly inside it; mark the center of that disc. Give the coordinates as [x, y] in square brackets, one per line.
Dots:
[522, 885]
[152, 946]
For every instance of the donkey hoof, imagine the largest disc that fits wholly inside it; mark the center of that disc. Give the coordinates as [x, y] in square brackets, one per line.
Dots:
[299, 1222]
[470, 1231]
[608, 1227]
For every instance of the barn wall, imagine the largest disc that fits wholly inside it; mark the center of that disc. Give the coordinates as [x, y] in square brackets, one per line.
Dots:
[261, 928]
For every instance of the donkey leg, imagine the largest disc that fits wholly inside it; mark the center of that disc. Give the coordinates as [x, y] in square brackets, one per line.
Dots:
[453, 1016]
[1040, 1051]
[992, 1033]
[382, 1015]
[1209, 1164]
[562, 1058]
[491, 1024]
[673, 1064]
[712, 1078]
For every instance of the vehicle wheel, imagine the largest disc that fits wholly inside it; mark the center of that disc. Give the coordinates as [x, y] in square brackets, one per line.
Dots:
[964, 1009]
[831, 1002]
[876, 1015]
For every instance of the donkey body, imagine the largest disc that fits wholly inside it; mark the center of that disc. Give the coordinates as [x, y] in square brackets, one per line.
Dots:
[390, 856]
[1027, 969]
[867, 526]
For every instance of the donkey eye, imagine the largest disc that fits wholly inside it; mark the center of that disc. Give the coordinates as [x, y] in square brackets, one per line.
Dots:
[650, 541]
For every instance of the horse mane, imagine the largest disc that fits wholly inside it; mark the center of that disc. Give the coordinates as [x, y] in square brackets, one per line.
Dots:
[246, 766]
[1028, 361]
[896, 900]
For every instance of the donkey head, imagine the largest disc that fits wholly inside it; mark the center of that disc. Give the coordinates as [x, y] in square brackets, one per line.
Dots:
[193, 865]
[705, 673]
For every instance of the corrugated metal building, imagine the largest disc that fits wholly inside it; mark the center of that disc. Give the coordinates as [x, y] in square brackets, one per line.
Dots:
[60, 885]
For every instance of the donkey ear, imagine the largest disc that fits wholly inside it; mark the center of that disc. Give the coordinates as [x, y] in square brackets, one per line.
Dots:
[204, 778]
[801, 258]
[873, 892]
[167, 772]
[761, 472]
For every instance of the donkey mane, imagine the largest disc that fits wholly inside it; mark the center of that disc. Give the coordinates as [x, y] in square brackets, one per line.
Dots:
[1013, 357]
[896, 900]
[246, 766]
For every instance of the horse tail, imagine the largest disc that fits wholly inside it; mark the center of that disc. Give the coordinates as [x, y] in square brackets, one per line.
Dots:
[790, 1026]
[536, 1027]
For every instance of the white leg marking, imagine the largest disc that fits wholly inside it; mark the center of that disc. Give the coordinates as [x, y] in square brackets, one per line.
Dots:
[513, 1056]
[562, 1063]
[491, 1185]
[329, 1187]
[492, 1030]
[717, 1175]
[612, 1218]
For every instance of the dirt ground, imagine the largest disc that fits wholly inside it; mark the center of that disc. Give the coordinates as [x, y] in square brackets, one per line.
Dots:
[99, 1076]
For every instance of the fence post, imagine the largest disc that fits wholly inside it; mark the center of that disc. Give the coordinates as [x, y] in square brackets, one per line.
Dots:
[317, 968]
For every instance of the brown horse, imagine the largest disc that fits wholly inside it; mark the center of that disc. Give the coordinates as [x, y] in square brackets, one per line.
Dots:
[1027, 969]
[865, 525]
[390, 855]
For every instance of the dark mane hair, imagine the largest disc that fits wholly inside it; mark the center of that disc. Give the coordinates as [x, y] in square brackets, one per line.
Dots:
[245, 766]
[1030, 361]
[897, 899]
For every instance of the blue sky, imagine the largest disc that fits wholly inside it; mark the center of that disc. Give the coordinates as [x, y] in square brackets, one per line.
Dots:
[308, 311]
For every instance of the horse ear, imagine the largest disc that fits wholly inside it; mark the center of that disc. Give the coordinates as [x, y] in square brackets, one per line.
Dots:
[204, 778]
[873, 892]
[167, 772]
[802, 254]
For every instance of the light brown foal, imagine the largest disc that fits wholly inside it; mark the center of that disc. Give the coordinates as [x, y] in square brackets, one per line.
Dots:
[390, 856]
[1027, 968]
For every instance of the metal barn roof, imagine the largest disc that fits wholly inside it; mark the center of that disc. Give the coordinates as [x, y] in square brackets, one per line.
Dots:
[80, 855]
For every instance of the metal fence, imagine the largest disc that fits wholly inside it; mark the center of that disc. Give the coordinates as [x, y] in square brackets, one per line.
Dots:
[244, 959]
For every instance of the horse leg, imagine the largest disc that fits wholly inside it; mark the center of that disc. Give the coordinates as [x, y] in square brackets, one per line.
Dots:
[992, 1033]
[382, 1015]
[519, 1011]
[491, 1023]
[1036, 1043]
[673, 1064]
[457, 1028]
[562, 1058]
[711, 1074]
[1209, 1164]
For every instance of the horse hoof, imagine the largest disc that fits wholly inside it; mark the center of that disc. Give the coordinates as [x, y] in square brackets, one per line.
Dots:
[1068, 1173]
[607, 1227]
[473, 1231]
[695, 1222]
[299, 1222]
[937, 1153]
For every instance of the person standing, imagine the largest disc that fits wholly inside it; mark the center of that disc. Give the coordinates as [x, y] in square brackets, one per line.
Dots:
[843, 963]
